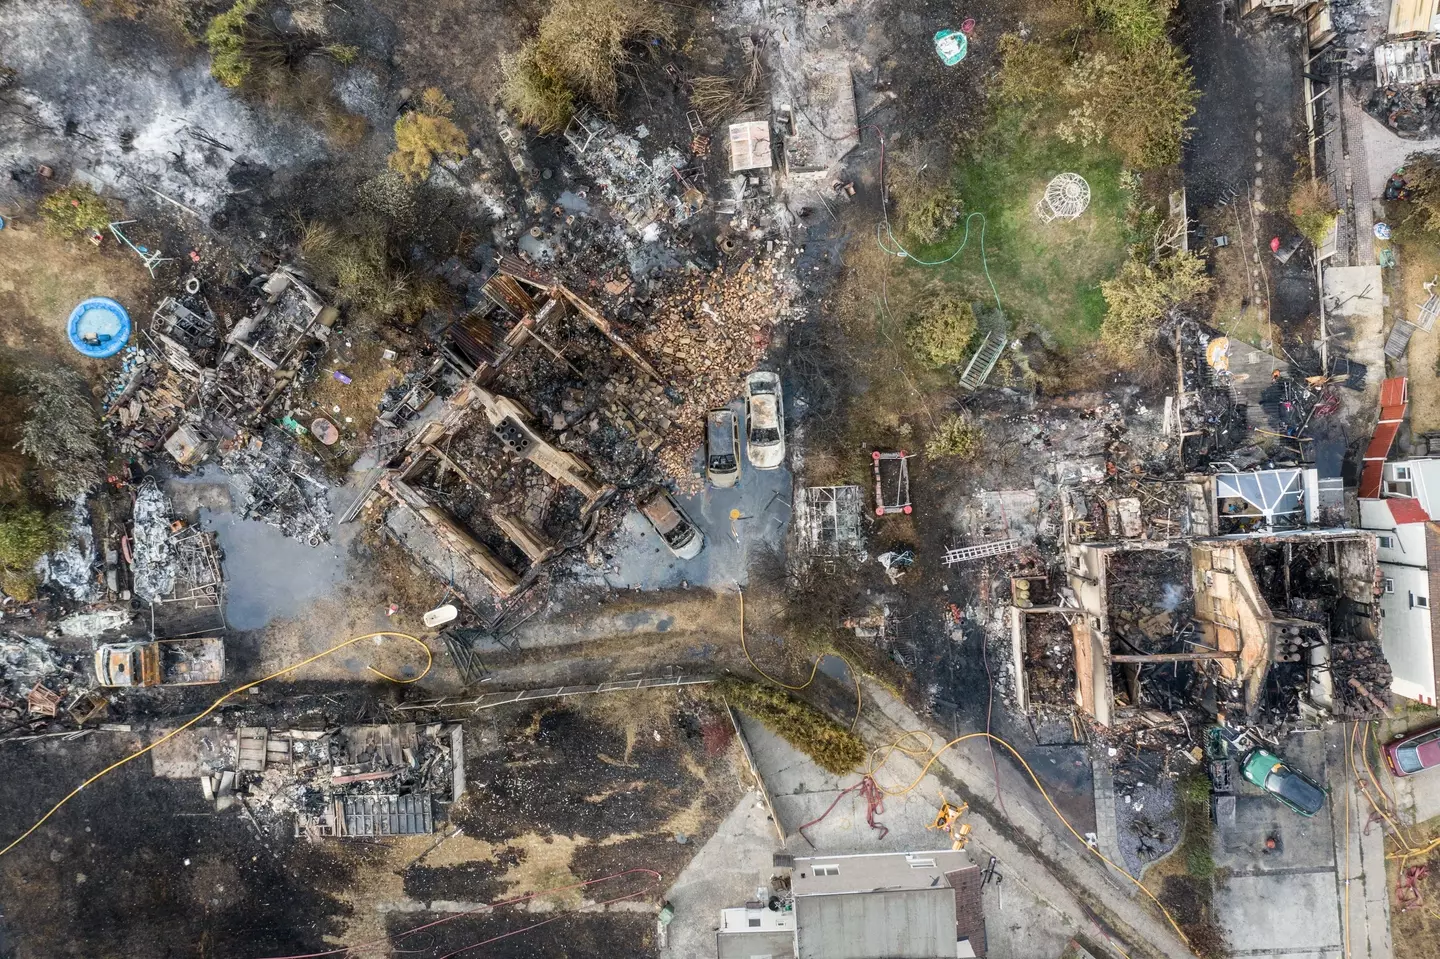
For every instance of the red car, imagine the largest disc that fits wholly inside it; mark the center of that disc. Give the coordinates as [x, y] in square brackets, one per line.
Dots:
[1415, 752]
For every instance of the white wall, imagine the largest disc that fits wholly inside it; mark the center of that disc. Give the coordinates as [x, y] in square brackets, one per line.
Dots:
[1405, 632]
[1407, 541]
[1405, 629]
[1425, 480]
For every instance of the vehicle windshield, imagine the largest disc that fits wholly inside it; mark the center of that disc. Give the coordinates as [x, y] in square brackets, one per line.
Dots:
[722, 462]
[762, 435]
[1289, 785]
[1408, 758]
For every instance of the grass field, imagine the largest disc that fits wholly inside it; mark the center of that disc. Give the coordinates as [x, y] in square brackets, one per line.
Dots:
[1047, 275]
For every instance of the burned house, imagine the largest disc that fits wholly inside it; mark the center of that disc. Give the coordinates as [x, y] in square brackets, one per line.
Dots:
[1225, 602]
[496, 485]
[199, 387]
[345, 782]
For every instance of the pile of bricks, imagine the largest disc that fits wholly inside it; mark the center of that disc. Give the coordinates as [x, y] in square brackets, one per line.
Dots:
[705, 336]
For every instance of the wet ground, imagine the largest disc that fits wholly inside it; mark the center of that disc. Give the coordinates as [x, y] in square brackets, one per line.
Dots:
[737, 521]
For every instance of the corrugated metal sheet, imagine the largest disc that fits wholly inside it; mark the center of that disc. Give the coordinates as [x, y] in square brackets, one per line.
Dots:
[1412, 16]
[387, 815]
[1394, 397]
[509, 295]
[478, 338]
[909, 924]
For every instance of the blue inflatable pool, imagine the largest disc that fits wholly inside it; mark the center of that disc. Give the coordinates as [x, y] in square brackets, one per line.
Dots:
[99, 327]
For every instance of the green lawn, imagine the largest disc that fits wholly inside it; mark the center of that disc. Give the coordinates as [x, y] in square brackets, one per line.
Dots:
[1047, 275]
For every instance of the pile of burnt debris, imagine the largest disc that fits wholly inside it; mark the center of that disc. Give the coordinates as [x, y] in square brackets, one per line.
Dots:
[44, 689]
[1411, 110]
[200, 389]
[562, 407]
[346, 781]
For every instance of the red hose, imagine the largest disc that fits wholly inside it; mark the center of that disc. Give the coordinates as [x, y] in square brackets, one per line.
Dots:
[874, 806]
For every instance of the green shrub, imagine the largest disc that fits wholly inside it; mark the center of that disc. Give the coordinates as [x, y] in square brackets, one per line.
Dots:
[1312, 208]
[229, 36]
[1139, 297]
[941, 335]
[75, 209]
[833, 747]
[62, 431]
[425, 135]
[929, 217]
[26, 534]
[958, 436]
[1134, 24]
[541, 101]
[584, 43]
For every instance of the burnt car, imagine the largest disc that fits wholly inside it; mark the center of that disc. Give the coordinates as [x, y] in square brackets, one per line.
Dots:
[764, 421]
[722, 448]
[1414, 752]
[682, 536]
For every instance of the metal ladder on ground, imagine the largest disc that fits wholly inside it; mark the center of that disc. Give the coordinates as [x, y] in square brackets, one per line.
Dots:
[1399, 339]
[977, 371]
[965, 554]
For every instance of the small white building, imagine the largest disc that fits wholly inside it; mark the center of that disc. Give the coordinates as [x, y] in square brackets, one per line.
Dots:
[1409, 553]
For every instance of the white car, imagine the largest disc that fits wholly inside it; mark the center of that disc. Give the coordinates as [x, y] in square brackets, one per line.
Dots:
[681, 536]
[764, 421]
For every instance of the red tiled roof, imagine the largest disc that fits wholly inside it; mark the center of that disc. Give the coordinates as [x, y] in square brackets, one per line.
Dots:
[1406, 510]
[1394, 396]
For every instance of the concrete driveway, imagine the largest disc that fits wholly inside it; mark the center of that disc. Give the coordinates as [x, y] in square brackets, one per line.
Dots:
[1281, 902]
[1323, 893]
[760, 504]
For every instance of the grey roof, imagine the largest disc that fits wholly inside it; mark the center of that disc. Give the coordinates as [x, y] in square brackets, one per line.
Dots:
[901, 924]
[755, 945]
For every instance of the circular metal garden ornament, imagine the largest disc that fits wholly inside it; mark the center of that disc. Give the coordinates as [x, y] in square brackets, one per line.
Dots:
[1066, 197]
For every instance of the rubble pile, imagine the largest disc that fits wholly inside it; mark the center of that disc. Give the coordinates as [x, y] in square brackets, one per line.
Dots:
[706, 335]
[152, 564]
[348, 781]
[1049, 662]
[70, 567]
[275, 483]
[37, 680]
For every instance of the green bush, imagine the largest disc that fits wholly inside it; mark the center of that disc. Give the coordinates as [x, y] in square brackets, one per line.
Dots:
[958, 436]
[62, 430]
[74, 210]
[941, 335]
[228, 36]
[425, 135]
[540, 100]
[929, 216]
[833, 747]
[1134, 24]
[584, 43]
[577, 53]
[26, 534]
[1137, 298]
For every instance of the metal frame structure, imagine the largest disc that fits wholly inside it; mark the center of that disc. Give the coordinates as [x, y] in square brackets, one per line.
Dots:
[1066, 197]
[901, 501]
